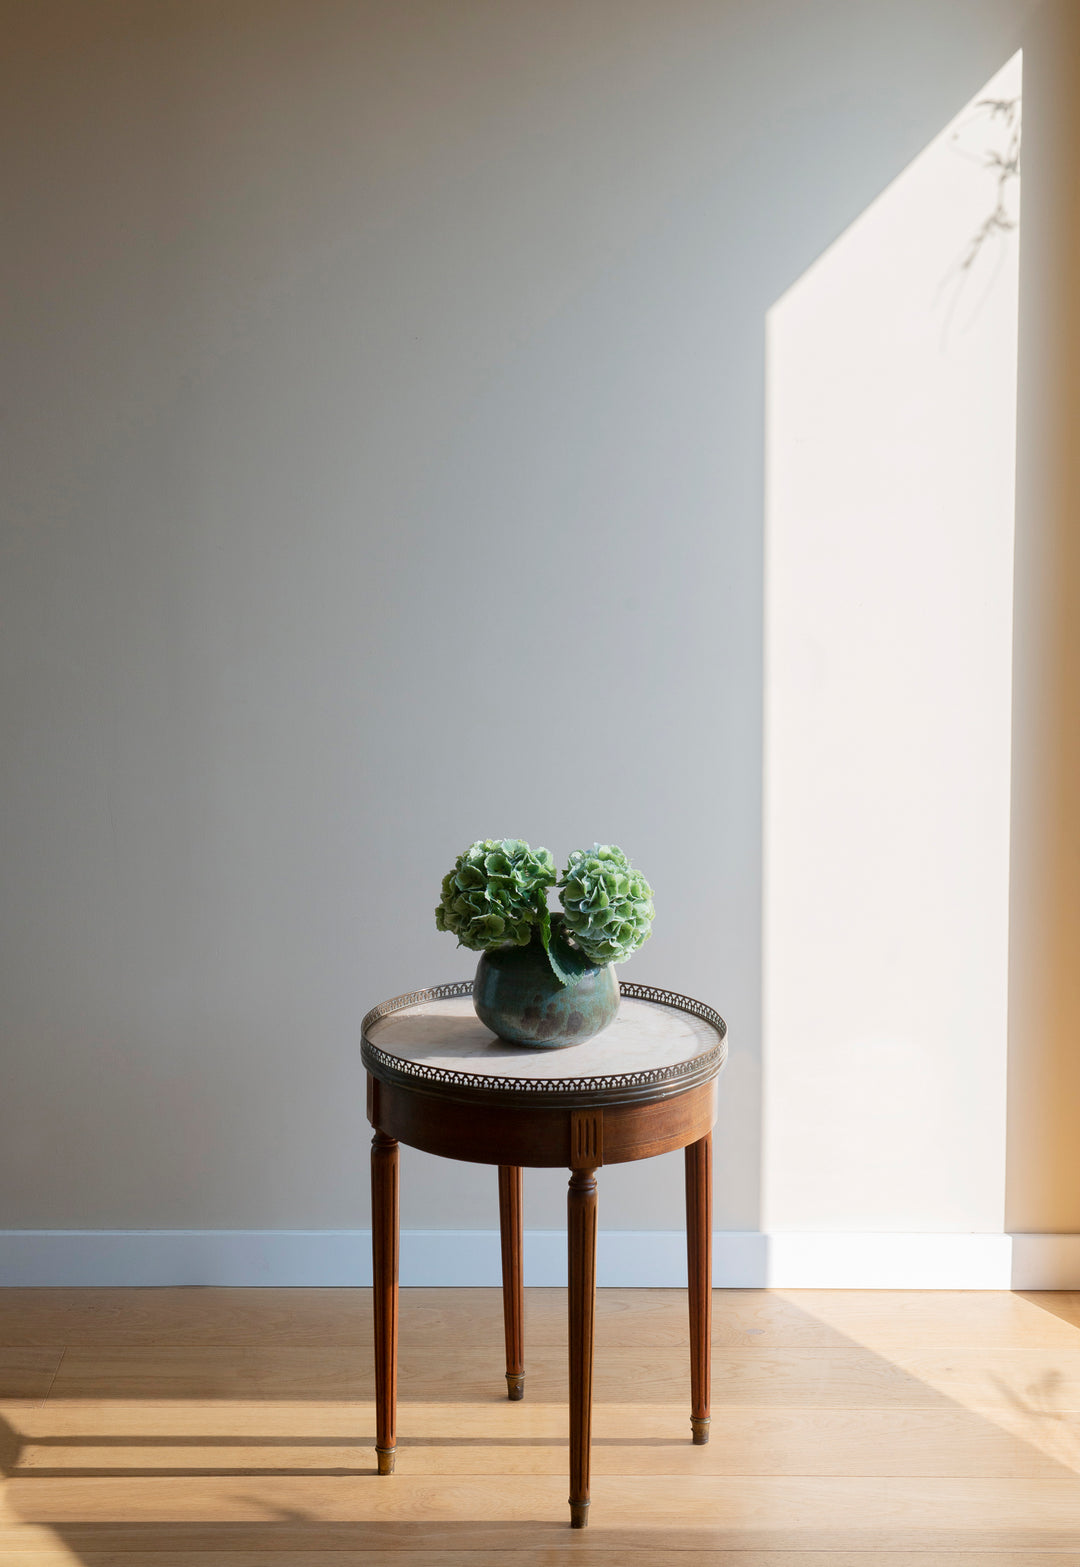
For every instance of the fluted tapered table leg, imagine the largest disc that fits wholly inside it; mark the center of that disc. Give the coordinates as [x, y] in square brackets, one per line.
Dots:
[511, 1230]
[384, 1257]
[699, 1278]
[581, 1292]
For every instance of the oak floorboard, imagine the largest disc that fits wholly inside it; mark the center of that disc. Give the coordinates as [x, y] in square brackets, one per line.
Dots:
[186, 1315]
[48, 1553]
[818, 1319]
[1037, 1380]
[435, 1441]
[328, 1318]
[28, 1373]
[774, 1513]
[225, 1428]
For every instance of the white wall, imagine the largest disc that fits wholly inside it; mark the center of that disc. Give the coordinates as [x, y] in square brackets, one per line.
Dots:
[384, 469]
[890, 478]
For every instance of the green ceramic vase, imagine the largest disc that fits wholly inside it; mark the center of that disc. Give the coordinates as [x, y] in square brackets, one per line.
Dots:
[517, 996]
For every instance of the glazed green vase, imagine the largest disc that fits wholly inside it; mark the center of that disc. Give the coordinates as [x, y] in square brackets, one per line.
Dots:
[517, 996]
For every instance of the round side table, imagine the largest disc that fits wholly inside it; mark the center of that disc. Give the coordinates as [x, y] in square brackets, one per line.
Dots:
[440, 1081]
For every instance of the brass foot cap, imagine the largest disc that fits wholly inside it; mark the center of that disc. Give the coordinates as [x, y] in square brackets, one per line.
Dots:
[579, 1515]
[700, 1427]
[515, 1384]
[386, 1456]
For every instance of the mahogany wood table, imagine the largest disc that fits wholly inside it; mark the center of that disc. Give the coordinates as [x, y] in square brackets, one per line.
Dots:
[440, 1081]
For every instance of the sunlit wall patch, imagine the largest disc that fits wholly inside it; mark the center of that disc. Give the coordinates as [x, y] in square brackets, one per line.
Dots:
[891, 410]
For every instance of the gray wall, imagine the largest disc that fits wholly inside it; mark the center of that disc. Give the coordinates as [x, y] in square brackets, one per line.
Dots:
[383, 470]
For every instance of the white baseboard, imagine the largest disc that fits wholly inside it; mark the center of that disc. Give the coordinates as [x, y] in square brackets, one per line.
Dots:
[1046, 1262]
[628, 1258]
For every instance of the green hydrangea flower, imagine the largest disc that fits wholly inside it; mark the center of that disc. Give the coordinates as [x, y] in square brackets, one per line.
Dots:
[607, 904]
[496, 894]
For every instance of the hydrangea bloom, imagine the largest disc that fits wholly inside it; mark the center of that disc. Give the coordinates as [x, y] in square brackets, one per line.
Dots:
[608, 905]
[496, 894]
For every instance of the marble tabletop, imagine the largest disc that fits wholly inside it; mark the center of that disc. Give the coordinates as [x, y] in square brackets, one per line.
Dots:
[439, 1037]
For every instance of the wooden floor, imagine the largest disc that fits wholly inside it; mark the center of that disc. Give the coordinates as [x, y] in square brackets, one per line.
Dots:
[234, 1428]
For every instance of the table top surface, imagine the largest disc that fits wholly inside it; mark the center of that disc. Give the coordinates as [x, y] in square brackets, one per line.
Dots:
[659, 1043]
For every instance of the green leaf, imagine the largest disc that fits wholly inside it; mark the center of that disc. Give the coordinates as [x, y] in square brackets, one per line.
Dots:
[568, 963]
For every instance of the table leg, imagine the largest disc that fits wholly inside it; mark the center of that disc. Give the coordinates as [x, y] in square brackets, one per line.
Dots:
[699, 1272]
[581, 1240]
[511, 1230]
[384, 1256]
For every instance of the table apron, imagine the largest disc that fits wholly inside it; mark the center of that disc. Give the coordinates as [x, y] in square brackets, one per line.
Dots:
[536, 1135]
